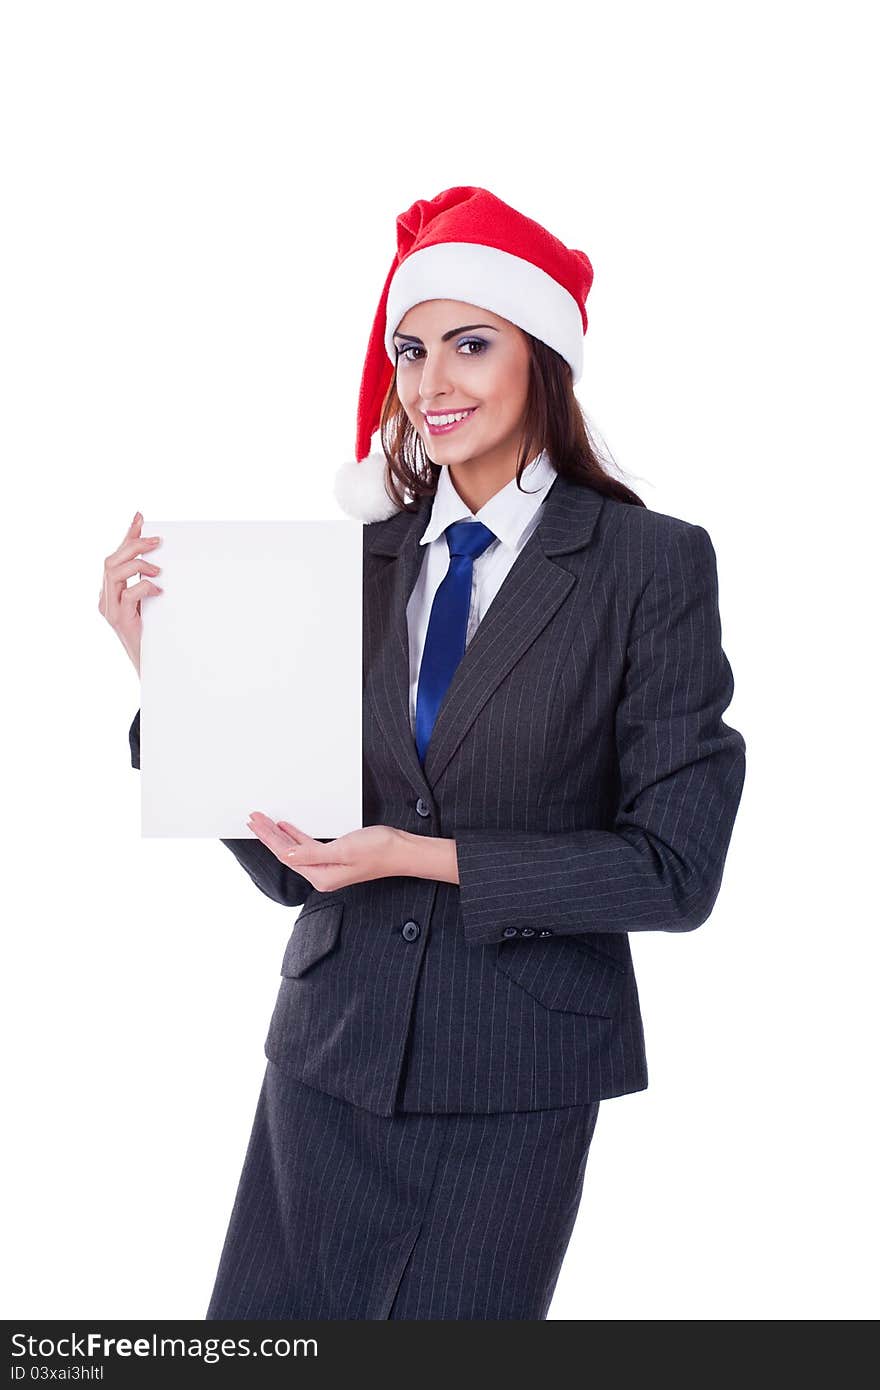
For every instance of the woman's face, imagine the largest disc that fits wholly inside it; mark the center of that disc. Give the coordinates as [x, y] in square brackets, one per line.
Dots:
[454, 357]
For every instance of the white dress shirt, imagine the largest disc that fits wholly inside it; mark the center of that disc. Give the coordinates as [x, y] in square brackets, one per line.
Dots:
[510, 515]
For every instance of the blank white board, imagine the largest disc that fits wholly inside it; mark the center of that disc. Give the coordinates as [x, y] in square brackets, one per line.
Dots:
[251, 678]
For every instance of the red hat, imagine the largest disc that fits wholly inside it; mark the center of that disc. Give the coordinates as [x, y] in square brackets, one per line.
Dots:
[465, 244]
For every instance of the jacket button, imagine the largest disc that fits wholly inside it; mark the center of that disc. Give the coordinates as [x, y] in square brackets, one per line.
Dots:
[410, 930]
[422, 807]
[510, 931]
[545, 933]
[528, 931]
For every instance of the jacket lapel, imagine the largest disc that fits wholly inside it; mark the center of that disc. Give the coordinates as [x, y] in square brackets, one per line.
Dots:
[530, 595]
[386, 635]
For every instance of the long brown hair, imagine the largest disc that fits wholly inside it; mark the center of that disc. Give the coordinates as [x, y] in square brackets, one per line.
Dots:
[554, 420]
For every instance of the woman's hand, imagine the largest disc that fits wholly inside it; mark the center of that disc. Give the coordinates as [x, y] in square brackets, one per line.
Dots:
[119, 602]
[374, 852]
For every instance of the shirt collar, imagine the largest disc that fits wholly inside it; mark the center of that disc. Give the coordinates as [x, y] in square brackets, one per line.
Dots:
[507, 514]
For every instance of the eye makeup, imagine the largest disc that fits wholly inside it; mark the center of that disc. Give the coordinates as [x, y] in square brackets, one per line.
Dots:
[479, 343]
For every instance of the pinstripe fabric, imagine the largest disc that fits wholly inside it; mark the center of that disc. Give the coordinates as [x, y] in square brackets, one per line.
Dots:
[581, 763]
[343, 1214]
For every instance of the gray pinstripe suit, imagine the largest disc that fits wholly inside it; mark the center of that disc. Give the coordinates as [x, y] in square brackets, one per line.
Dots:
[581, 763]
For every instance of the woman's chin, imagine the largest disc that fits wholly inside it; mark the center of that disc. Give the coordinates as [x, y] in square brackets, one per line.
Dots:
[446, 451]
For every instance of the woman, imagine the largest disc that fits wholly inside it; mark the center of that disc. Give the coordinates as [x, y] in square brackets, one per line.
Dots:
[546, 769]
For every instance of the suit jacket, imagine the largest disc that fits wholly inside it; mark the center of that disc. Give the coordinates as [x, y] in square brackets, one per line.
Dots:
[581, 764]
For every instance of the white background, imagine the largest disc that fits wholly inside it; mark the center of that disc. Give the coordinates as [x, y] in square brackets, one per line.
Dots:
[200, 205]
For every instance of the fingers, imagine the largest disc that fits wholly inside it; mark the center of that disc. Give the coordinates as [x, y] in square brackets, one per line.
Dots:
[132, 543]
[118, 574]
[295, 834]
[123, 562]
[135, 527]
[277, 840]
[263, 823]
[117, 601]
[133, 593]
[267, 823]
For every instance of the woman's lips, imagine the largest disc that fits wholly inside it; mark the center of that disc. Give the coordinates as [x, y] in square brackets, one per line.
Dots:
[447, 429]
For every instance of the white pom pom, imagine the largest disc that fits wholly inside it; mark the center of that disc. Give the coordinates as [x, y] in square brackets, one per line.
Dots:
[359, 488]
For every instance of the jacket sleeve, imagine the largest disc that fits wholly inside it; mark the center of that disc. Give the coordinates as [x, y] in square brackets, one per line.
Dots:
[272, 877]
[681, 769]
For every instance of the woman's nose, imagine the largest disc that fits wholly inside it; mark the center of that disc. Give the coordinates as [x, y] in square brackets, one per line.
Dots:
[434, 382]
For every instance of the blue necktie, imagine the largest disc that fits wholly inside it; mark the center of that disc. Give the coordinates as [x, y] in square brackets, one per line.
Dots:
[447, 627]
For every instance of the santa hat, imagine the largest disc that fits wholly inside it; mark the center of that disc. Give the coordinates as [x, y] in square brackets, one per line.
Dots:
[465, 244]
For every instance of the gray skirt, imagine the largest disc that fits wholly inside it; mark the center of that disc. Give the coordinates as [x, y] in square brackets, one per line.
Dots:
[344, 1214]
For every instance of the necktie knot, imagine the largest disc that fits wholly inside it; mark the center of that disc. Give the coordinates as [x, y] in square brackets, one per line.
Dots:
[468, 538]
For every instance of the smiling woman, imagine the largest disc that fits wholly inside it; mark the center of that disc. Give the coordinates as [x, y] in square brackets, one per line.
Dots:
[471, 384]
[467, 396]
[545, 769]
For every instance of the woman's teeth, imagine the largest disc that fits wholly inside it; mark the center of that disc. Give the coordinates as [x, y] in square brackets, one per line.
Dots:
[445, 422]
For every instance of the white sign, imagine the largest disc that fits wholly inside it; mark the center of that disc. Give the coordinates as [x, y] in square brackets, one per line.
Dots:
[251, 678]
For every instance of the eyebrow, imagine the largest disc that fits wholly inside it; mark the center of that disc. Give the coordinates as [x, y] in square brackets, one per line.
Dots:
[465, 328]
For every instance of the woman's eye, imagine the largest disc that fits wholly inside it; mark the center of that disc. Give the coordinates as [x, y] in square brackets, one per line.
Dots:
[478, 343]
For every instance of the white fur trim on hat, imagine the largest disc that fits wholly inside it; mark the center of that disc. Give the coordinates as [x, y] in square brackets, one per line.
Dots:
[504, 284]
[359, 488]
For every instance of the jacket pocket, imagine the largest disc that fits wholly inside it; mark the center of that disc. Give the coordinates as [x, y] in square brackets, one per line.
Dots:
[564, 973]
[315, 933]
